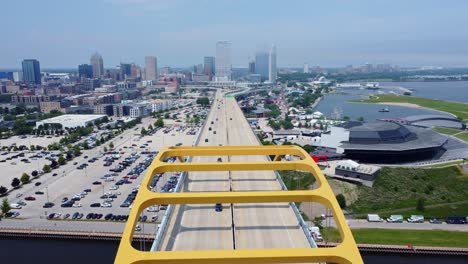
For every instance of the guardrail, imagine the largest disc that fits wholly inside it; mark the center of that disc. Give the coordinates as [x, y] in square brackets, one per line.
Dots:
[164, 222]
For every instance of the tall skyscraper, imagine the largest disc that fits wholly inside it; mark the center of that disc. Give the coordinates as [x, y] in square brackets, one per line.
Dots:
[151, 68]
[85, 71]
[272, 65]
[98, 65]
[31, 71]
[306, 67]
[223, 61]
[209, 65]
[262, 64]
[125, 70]
[251, 67]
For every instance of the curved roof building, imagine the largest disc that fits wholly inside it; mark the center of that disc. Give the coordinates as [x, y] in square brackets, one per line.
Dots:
[386, 142]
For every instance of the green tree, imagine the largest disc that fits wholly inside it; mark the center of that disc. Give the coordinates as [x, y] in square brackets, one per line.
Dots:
[150, 127]
[361, 119]
[24, 178]
[341, 200]
[143, 131]
[111, 145]
[3, 190]
[159, 123]
[62, 160]
[421, 204]
[85, 145]
[5, 206]
[15, 182]
[76, 151]
[32, 148]
[346, 118]
[196, 120]
[204, 101]
[105, 149]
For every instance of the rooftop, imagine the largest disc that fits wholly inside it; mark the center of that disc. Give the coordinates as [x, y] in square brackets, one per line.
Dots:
[75, 118]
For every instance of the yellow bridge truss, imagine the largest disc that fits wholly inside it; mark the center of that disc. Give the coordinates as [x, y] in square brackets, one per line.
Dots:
[345, 252]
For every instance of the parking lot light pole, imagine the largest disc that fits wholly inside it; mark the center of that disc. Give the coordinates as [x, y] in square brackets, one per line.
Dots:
[47, 193]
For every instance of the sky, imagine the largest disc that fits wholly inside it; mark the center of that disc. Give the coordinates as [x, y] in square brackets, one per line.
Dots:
[332, 33]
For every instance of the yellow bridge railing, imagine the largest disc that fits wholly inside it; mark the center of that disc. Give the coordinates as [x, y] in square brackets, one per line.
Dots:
[345, 252]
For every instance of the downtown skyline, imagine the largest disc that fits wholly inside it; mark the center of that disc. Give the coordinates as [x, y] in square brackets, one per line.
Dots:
[331, 34]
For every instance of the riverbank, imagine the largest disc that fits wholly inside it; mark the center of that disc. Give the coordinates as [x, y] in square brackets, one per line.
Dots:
[459, 110]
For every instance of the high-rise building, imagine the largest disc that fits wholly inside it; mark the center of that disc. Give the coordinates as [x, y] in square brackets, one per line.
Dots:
[31, 71]
[126, 70]
[199, 69]
[272, 65]
[252, 67]
[98, 65]
[209, 65]
[135, 71]
[223, 61]
[85, 71]
[262, 64]
[151, 68]
[306, 67]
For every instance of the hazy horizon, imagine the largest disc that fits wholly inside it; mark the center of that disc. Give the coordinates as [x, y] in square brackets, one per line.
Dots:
[181, 32]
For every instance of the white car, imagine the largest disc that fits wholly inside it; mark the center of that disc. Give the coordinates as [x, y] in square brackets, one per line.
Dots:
[106, 205]
[15, 206]
[76, 205]
[137, 228]
[113, 188]
[153, 209]
[19, 195]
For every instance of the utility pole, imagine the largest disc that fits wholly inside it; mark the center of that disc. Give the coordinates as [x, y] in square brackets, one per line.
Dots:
[47, 193]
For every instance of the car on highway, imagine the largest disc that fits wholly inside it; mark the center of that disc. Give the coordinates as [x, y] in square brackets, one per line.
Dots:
[30, 198]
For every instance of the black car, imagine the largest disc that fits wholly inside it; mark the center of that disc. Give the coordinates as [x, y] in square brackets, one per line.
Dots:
[97, 183]
[95, 205]
[108, 216]
[37, 184]
[39, 192]
[68, 204]
[87, 190]
[48, 205]
[218, 207]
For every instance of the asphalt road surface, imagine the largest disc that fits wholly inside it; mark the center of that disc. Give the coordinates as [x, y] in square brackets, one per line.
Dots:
[200, 227]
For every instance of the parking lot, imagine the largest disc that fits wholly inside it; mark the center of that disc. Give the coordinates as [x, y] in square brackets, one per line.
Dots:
[87, 180]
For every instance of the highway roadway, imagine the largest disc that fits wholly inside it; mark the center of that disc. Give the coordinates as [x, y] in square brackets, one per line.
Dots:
[200, 227]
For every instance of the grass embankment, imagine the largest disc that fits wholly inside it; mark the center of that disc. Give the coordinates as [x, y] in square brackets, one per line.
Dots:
[446, 130]
[297, 180]
[432, 238]
[463, 136]
[399, 188]
[444, 164]
[458, 109]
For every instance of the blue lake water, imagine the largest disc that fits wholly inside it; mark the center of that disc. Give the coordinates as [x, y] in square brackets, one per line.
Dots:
[332, 103]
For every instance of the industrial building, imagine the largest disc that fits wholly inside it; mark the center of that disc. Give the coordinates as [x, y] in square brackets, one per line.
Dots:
[71, 121]
[352, 169]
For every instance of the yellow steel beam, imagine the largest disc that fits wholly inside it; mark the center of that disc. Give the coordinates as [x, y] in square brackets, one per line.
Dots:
[346, 252]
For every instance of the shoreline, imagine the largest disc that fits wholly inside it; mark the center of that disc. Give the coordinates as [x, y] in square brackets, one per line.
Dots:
[409, 105]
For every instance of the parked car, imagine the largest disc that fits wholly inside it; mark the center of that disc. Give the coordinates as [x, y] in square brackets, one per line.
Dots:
[48, 205]
[374, 218]
[97, 183]
[416, 219]
[456, 220]
[37, 184]
[39, 192]
[218, 207]
[95, 205]
[435, 221]
[30, 198]
[395, 219]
